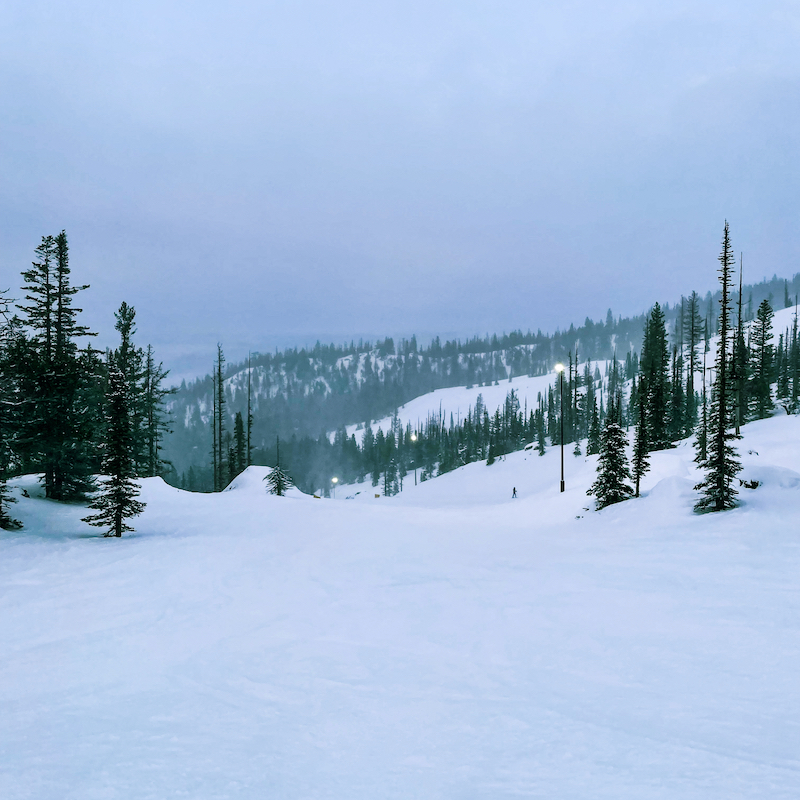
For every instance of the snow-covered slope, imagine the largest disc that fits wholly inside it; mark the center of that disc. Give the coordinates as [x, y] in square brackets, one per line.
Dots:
[448, 642]
[457, 401]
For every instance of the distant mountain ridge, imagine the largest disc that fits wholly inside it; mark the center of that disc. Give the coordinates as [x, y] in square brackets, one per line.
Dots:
[310, 391]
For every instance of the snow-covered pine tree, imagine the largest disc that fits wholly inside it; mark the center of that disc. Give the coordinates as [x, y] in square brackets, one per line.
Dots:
[677, 398]
[214, 458]
[230, 449]
[701, 442]
[641, 458]
[240, 441]
[249, 457]
[129, 359]
[278, 482]
[593, 442]
[220, 422]
[116, 501]
[762, 362]
[9, 406]
[794, 364]
[156, 419]
[55, 436]
[693, 330]
[7, 522]
[721, 464]
[740, 366]
[540, 434]
[654, 368]
[612, 467]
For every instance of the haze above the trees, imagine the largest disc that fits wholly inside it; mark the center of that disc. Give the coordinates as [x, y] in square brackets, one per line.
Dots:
[268, 174]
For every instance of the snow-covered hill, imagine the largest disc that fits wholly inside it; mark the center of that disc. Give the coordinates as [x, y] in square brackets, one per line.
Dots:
[457, 401]
[447, 642]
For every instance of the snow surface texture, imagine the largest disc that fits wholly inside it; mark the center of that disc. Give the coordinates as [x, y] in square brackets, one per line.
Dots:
[445, 643]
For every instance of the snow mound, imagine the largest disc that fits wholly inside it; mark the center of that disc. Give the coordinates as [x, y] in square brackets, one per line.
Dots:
[771, 476]
[252, 481]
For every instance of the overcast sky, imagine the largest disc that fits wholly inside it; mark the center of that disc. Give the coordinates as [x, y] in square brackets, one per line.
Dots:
[268, 173]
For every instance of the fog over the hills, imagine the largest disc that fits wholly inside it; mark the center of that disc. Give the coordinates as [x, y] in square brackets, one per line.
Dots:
[268, 173]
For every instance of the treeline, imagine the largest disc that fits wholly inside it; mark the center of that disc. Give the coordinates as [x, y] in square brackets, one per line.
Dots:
[746, 366]
[663, 394]
[304, 392]
[68, 410]
[436, 446]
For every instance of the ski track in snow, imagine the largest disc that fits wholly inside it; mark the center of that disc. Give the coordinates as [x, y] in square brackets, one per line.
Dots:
[445, 643]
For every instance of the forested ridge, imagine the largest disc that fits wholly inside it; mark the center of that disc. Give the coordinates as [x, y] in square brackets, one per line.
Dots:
[304, 395]
[70, 411]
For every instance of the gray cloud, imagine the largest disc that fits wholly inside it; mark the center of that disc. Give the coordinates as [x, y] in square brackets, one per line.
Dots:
[269, 173]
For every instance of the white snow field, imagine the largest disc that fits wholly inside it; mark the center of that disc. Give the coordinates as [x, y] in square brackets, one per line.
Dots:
[446, 643]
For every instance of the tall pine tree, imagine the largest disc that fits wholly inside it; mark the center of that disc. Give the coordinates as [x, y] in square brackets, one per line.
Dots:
[654, 369]
[116, 502]
[612, 467]
[55, 436]
[762, 363]
[722, 464]
[641, 458]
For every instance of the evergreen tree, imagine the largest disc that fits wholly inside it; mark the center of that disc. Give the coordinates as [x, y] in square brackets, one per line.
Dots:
[701, 443]
[130, 362]
[8, 413]
[230, 449]
[721, 464]
[7, 522]
[678, 402]
[641, 458]
[739, 367]
[278, 481]
[249, 459]
[654, 369]
[54, 419]
[793, 362]
[220, 410]
[612, 467]
[117, 501]
[593, 443]
[782, 368]
[540, 434]
[214, 454]
[762, 363]
[390, 486]
[693, 329]
[240, 447]
[155, 419]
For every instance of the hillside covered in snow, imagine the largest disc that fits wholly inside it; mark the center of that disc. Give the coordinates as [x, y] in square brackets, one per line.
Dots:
[307, 392]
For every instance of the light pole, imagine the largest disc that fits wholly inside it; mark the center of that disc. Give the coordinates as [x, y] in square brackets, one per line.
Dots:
[560, 371]
[334, 481]
[414, 451]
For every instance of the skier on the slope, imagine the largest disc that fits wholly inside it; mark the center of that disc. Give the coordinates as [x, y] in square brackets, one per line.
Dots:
[514, 494]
